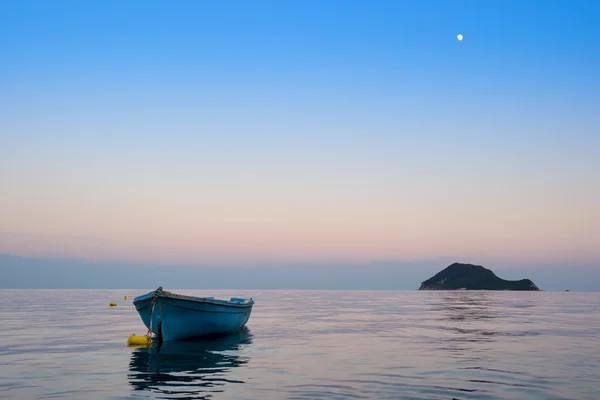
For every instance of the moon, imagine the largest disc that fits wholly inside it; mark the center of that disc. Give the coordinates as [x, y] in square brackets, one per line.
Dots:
[459, 37]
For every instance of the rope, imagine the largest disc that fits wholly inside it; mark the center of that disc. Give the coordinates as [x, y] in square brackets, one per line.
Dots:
[152, 311]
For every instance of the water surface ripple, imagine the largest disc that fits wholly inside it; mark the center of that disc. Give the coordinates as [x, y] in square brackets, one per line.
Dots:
[309, 345]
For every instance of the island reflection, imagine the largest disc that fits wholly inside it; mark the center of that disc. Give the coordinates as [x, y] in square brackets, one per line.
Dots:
[465, 324]
[189, 369]
[468, 306]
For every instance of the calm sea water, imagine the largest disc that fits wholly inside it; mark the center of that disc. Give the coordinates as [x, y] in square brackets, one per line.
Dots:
[309, 345]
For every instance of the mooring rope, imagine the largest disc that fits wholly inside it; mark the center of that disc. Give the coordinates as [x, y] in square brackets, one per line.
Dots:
[152, 311]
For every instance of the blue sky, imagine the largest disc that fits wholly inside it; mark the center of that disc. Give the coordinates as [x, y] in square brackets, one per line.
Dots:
[247, 133]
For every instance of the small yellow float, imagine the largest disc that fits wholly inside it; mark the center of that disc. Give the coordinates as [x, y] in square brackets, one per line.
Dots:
[135, 340]
[112, 304]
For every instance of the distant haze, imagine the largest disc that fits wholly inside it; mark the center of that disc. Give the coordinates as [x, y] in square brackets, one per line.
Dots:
[268, 136]
[31, 273]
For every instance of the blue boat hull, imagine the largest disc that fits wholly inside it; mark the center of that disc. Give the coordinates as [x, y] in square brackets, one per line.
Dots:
[179, 317]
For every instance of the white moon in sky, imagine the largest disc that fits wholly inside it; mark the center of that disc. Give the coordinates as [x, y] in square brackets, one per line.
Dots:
[459, 37]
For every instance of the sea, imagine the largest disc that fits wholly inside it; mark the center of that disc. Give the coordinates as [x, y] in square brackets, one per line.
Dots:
[70, 344]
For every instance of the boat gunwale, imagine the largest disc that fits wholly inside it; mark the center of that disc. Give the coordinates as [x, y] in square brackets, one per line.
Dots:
[192, 299]
[184, 307]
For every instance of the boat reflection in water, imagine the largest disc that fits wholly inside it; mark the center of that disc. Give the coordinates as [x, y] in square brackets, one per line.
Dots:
[189, 369]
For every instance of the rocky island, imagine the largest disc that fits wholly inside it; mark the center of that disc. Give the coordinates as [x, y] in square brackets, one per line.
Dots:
[472, 277]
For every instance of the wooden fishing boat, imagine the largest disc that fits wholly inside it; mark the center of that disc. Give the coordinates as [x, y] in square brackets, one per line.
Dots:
[173, 316]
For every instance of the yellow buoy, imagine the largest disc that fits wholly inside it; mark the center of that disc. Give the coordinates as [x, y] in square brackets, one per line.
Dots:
[134, 339]
[124, 297]
[112, 304]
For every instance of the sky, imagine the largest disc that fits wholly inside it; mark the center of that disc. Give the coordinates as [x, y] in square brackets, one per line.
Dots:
[337, 134]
